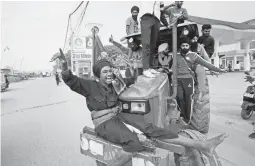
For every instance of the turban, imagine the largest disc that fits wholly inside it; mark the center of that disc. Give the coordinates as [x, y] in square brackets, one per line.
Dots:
[185, 40]
[99, 65]
[162, 47]
[135, 8]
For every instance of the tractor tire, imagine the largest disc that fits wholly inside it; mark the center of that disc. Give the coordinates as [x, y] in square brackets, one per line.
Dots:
[99, 163]
[246, 114]
[193, 157]
[200, 119]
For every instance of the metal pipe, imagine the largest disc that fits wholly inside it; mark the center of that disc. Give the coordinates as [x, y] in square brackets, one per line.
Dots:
[174, 67]
[93, 59]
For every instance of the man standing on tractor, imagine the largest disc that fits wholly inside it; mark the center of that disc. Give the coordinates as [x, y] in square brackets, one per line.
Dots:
[185, 89]
[206, 40]
[150, 27]
[132, 22]
[176, 11]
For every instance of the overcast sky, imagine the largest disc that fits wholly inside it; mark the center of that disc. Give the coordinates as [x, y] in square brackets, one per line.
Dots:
[35, 30]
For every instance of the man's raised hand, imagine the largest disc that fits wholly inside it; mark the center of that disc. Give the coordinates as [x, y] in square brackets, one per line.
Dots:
[111, 39]
[60, 55]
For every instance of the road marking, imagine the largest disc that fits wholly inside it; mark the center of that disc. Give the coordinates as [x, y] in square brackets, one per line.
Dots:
[34, 107]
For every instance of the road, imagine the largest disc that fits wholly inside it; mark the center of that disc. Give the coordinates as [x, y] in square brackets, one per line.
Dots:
[41, 123]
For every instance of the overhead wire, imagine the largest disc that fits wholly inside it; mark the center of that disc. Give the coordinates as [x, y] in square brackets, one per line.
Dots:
[80, 20]
[68, 24]
[77, 8]
[84, 12]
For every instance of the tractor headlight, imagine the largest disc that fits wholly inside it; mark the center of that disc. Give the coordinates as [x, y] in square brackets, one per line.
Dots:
[138, 107]
[131, 40]
[141, 162]
[185, 31]
[96, 148]
[138, 161]
[84, 143]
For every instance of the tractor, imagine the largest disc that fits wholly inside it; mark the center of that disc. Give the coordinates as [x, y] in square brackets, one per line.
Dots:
[153, 99]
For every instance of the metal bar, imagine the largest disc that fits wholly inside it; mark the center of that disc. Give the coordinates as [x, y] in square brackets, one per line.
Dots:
[93, 60]
[174, 67]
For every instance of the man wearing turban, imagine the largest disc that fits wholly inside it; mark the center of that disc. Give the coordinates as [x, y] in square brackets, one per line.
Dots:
[102, 101]
[132, 22]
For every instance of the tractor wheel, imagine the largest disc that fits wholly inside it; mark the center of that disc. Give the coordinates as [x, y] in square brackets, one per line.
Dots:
[200, 119]
[99, 163]
[193, 157]
[246, 114]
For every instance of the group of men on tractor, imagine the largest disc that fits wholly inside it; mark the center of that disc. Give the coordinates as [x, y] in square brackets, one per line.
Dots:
[194, 54]
[102, 93]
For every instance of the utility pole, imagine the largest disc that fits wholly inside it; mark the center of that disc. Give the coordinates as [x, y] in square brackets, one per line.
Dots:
[21, 63]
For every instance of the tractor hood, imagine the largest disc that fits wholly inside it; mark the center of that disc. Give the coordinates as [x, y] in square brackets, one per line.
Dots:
[145, 88]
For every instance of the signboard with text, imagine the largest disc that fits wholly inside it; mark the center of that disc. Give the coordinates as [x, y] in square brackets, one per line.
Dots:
[89, 43]
[82, 54]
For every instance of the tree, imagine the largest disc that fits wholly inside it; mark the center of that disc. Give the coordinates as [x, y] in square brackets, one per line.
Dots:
[117, 55]
[112, 50]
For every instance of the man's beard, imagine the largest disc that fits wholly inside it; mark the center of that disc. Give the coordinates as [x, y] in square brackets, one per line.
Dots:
[134, 48]
[134, 18]
[194, 46]
[184, 51]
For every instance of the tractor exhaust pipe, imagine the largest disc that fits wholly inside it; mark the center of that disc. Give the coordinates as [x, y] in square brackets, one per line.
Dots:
[174, 67]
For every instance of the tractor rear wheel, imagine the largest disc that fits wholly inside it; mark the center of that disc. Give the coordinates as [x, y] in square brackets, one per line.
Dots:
[193, 157]
[200, 119]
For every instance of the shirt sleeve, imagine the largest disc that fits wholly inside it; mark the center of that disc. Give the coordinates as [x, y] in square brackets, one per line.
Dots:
[76, 84]
[192, 56]
[185, 14]
[169, 11]
[128, 22]
[204, 63]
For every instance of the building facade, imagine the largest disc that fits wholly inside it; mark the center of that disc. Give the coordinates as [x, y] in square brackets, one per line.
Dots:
[234, 42]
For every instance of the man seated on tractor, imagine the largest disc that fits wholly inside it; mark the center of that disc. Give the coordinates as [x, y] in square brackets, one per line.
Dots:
[165, 60]
[176, 11]
[134, 54]
[164, 56]
[185, 89]
[102, 100]
[198, 69]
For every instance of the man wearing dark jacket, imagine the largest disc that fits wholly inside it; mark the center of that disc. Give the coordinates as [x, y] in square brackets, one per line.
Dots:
[206, 40]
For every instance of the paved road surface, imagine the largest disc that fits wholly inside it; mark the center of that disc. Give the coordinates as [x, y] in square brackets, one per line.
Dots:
[41, 123]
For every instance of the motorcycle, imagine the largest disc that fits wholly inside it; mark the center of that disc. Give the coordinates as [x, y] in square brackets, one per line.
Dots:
[248, 105]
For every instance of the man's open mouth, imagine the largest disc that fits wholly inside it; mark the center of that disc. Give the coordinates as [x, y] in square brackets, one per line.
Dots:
[109, 78]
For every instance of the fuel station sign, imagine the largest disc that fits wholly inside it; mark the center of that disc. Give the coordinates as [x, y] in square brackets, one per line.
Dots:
[82, 55]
